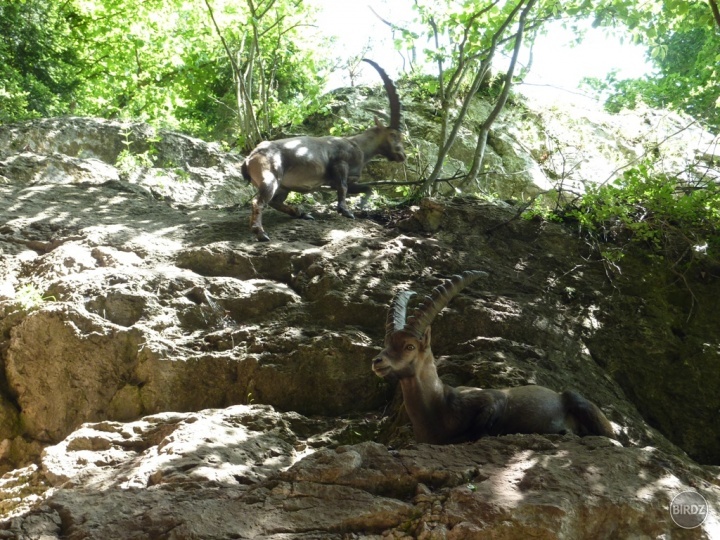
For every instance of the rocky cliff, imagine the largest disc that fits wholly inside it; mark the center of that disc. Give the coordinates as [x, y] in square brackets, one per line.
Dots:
[165, 376]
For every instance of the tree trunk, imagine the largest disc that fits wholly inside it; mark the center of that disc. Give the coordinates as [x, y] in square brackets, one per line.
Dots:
[446, 145]
[479, 155]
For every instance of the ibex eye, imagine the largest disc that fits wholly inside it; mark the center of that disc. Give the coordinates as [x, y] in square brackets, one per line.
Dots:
[409, 347]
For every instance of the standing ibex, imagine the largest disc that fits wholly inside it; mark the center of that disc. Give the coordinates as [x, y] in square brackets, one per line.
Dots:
[303, 164]
[441, 414]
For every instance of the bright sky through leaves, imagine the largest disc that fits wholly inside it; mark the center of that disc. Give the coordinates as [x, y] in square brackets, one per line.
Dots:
[556, 64]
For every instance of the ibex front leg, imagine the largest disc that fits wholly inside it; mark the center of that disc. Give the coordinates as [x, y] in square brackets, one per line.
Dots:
[270, 192]
[340, 177]
[278, 203]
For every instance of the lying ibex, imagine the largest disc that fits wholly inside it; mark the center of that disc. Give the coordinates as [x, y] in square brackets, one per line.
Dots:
[303, 164]
[441, 414]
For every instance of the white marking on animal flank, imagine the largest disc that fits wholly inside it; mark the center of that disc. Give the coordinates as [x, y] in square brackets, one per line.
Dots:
[292, 143]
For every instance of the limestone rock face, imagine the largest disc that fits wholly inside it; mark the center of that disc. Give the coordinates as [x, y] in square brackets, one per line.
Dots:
[94, 151]
[242, 472]
[166, 376]
[238, 445]
[48, 368]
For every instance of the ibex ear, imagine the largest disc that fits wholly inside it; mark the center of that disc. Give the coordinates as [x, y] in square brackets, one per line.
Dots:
[378, 122]
[425, 341]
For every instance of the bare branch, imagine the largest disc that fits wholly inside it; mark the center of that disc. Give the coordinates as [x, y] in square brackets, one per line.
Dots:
[715, 11]
[241, 88]
[392, 25]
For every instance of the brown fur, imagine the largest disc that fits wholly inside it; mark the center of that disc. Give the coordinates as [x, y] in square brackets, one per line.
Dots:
[442, 414]
[304, 164]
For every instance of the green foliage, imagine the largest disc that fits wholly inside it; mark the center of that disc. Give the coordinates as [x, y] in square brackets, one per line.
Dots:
[274, 67]
[684, 47]
[537, 209]
[13, 97]
[342, 127]
[128, 161]
[138, 50]
[38, 59]
[29, 297]
[253, 70]
[299, 199]
[420, 88]
[159, 61]
[462, 40]
[675, 219]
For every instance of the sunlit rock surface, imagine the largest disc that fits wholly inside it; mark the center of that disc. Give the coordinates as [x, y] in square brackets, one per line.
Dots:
[165, 376]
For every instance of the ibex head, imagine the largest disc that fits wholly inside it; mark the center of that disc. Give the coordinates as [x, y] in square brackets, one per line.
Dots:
[407, 338]
[392, 147]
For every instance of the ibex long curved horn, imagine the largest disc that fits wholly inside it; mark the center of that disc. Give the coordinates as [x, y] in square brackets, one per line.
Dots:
[392, 95]
[397, 313]
[424, 314]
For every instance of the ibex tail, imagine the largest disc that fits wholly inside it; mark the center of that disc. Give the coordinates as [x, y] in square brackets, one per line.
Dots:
[589, 418]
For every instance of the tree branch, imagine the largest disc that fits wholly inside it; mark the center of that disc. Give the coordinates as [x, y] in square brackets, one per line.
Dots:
[715, 10]
[237, 74]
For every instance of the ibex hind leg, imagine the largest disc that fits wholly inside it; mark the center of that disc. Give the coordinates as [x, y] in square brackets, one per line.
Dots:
[266, 191]
[278, 203]
[589, 419]
[256, 222]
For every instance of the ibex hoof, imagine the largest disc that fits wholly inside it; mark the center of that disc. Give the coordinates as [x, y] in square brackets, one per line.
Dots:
[347, 213]
[307, 216]
[263, 237]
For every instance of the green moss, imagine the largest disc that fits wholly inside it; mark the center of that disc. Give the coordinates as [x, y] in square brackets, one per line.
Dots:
[10, 425]
[655, 343]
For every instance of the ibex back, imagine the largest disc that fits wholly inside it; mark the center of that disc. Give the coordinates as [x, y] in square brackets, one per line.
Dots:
[303, 164]
[442, 414]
